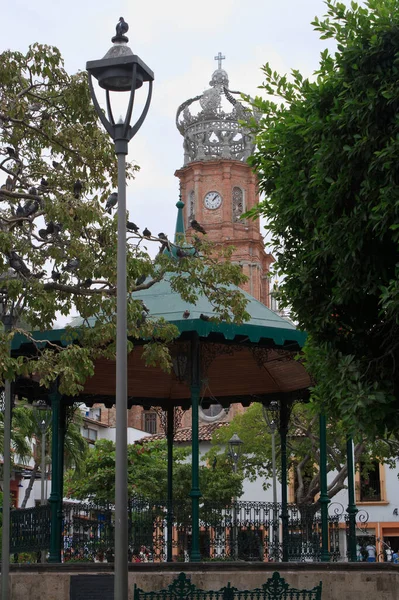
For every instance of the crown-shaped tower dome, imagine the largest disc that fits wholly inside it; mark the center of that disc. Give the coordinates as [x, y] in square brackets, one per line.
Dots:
[212, 130]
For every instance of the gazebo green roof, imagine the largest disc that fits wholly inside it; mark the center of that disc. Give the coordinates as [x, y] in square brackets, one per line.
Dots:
[163, 302]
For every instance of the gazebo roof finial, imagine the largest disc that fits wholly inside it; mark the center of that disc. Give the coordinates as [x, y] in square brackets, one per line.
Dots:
[180, 232]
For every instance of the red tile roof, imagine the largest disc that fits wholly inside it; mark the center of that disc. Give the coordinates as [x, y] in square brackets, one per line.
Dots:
[182, 435]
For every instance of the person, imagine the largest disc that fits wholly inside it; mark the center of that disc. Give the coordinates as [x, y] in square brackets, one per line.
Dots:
[144, 554]
[99, 557]
[359, 556]
[395, 558]
[371, 552]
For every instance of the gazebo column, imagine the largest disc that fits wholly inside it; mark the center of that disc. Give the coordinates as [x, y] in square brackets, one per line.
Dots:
[57, 468]
[284, 416]
[352, 509]
[324, 499]
[169, 437]
[195, 491]
[61, 454]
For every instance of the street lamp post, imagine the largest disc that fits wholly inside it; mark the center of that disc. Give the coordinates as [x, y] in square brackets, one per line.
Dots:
[5, 547]
[270, 414]
[8, 313]
[121, 71]
[42, 417]
[235, 451]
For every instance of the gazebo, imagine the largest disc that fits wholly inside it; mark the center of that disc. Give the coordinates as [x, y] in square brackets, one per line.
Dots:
[251, 362]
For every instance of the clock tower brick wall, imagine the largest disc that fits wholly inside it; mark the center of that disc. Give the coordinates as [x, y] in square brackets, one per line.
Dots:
[222, 176]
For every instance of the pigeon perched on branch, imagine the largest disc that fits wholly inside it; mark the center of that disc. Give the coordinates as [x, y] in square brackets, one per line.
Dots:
[11, 152]
[9, 184]
[181, 254]
[71, 265]
[111, 202]
[77, 188]
[141, 279]
[197, 227]
[144, 307]
[51, 229]
[55, 275]
[43, 233]
[30, 208]
[20, 212]
[18, 264]
[146, 233]
[43, 185]
[165, 242]
[132, 226]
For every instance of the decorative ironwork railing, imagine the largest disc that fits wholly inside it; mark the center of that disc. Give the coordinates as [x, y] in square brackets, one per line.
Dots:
[275, 588]
[30, 529]
[249, 531]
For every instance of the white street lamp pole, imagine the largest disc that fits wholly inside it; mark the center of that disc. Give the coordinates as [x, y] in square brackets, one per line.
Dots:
[121, 71]
[235, 449]
[269, 413]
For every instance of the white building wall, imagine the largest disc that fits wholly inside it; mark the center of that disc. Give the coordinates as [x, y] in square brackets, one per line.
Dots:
[253, 491]
[108, 433]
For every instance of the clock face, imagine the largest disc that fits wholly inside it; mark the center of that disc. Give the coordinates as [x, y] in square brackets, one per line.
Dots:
[212, 200]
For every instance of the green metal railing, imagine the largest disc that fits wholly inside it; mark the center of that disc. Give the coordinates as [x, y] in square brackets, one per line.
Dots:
[249, 531]
[30, 529]
[275, 588]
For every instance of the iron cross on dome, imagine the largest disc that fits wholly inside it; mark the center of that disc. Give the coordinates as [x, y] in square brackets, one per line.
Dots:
[219, 58]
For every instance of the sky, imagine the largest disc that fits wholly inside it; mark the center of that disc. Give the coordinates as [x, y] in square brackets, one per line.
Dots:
[178, 40]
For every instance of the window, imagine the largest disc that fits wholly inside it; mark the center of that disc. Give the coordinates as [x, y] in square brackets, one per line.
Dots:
[95, 414]
[214, 412]
[238, 204]
[370, 483]
[90, 434]
[150, 422]
[191, 207]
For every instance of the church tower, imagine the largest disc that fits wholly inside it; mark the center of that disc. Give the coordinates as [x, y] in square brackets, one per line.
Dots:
[217, 184]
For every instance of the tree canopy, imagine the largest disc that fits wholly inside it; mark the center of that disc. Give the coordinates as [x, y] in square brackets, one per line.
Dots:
[58, 229]
[147, 475]
[328, 163]
[303, 451]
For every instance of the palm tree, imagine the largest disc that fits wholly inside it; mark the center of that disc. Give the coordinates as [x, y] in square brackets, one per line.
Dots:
[75, 446]
[21, 450]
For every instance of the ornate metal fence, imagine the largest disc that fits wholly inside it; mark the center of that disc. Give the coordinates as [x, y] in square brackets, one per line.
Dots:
[249, 531]
[275, 588]
[30, 529]
[88, 531]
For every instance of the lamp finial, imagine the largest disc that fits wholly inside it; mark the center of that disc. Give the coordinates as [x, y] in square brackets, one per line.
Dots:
[121, 28]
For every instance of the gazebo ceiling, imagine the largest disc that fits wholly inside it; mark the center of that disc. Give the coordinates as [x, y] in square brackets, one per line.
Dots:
[237, 373]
